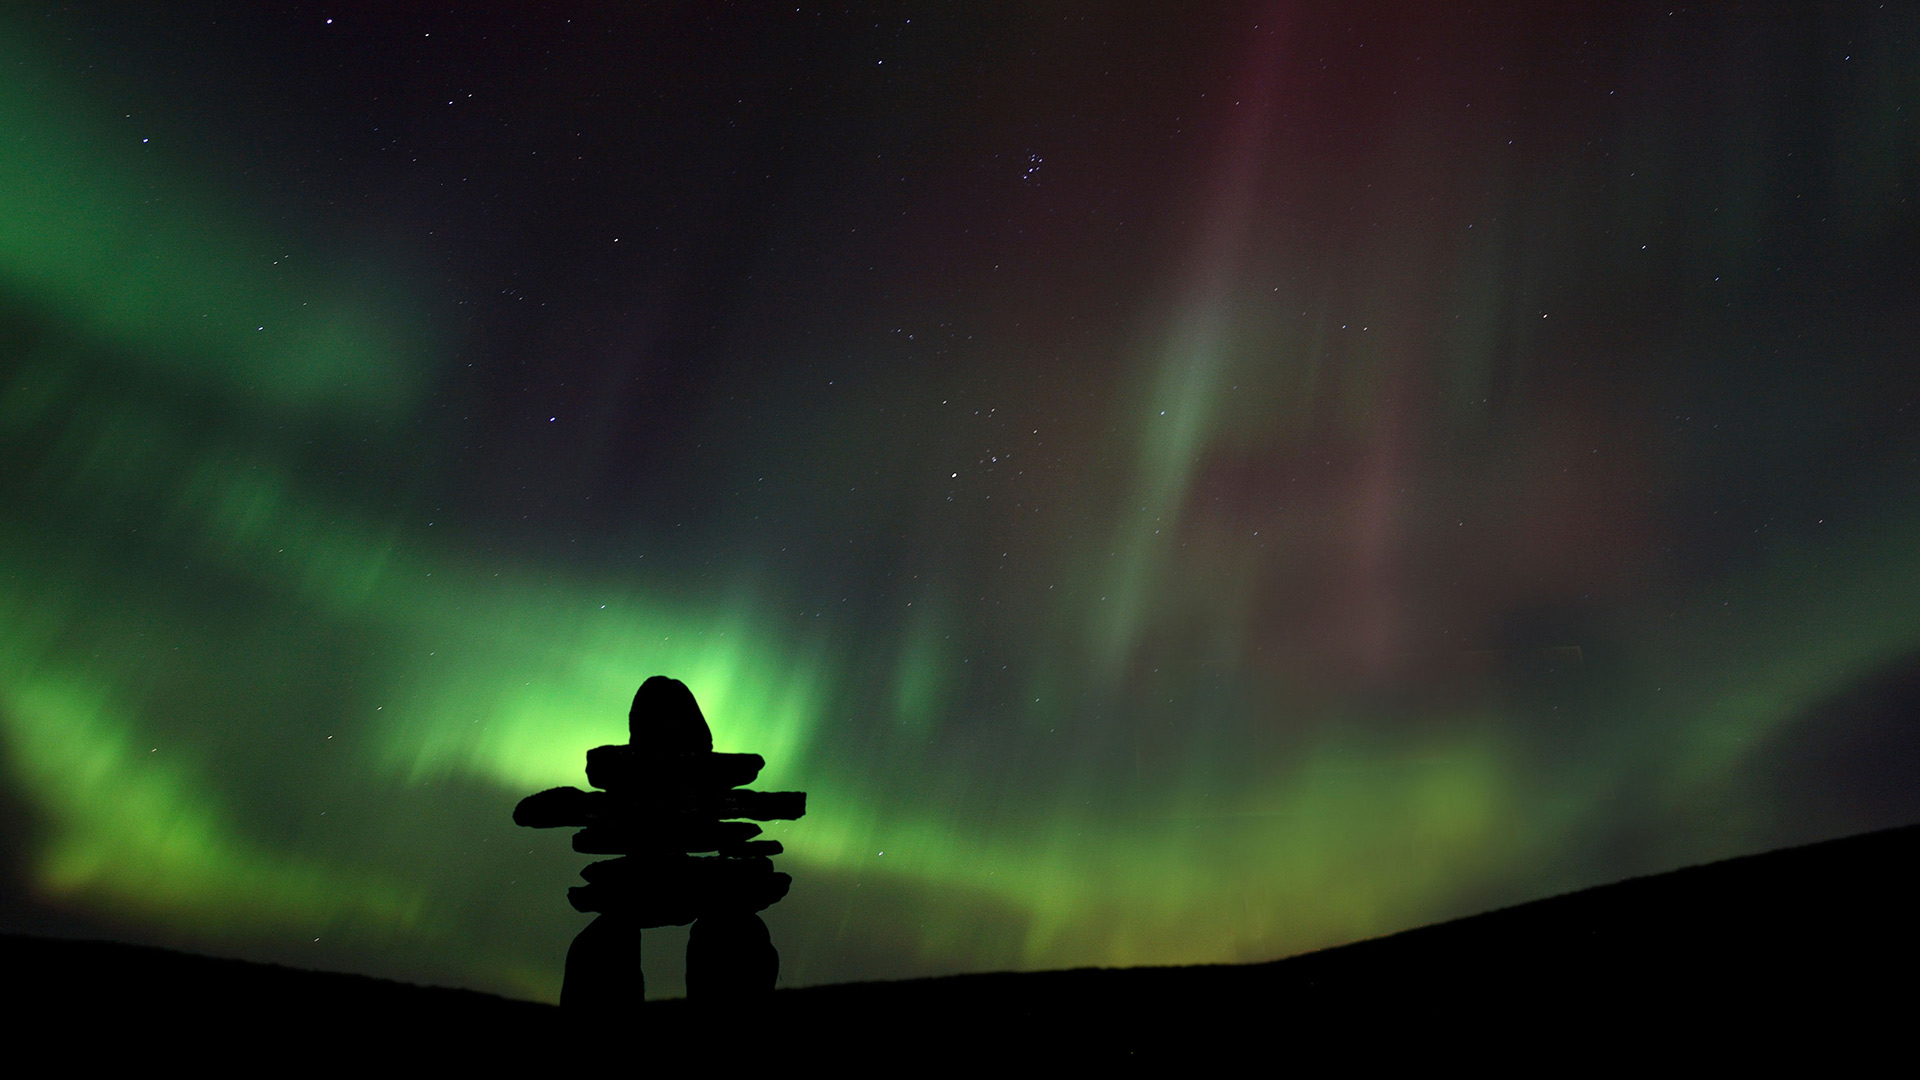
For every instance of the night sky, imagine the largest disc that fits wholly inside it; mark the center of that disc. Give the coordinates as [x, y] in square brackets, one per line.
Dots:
[1171, 487]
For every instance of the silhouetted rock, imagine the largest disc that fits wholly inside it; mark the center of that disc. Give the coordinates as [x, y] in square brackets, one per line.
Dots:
[763, 805]
[730, 956]
[681, 835]
[671, 890]
[665, 719]
[665, 798]
[559, 807]
[603, 967]
[626, 766]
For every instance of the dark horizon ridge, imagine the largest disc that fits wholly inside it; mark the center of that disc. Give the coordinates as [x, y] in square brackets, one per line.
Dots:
[1803, 931]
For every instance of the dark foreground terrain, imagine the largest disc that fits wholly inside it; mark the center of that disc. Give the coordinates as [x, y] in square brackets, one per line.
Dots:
[1807, 949]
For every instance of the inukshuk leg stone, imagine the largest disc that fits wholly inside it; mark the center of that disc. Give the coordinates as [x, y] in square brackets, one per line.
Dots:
[603, 968]
[666, 799]
[730, 956]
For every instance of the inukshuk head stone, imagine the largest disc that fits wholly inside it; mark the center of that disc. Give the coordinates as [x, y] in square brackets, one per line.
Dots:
[672, 810]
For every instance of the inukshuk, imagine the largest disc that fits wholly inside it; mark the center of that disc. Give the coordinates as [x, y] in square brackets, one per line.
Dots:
[666, 801]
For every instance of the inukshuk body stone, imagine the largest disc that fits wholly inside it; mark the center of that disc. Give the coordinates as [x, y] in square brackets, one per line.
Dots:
[666, 802]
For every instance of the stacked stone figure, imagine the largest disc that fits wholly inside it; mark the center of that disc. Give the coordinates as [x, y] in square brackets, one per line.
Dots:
[671, 809]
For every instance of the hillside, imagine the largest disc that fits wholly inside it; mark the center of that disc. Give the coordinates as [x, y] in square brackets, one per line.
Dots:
[1806, 937]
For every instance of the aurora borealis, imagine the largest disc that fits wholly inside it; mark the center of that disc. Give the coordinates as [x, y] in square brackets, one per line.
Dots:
[1170, 489]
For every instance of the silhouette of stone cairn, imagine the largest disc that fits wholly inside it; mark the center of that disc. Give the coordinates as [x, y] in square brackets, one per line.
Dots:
[666, 801]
